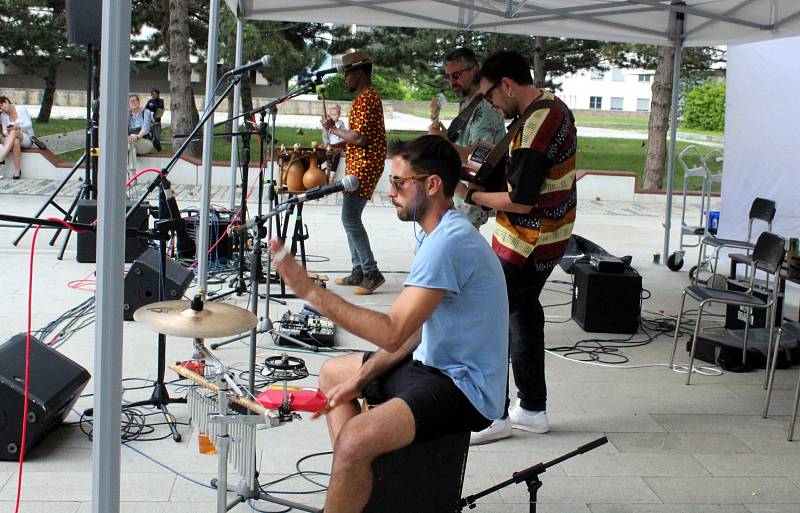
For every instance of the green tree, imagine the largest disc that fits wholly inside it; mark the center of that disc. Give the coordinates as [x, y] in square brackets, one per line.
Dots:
[416, 55]
[704, 106]
[696, 64]
[33, 38]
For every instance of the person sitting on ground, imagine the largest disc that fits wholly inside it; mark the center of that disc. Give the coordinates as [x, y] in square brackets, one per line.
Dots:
[442, 362]
[17, 133]
[331, 139]
[140, 123]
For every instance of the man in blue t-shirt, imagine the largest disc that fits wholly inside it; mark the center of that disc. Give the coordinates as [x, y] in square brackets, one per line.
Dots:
[442, 361]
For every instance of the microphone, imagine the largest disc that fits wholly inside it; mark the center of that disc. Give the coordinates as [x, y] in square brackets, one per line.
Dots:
[336, 69]
[349, 184]
[263, 62]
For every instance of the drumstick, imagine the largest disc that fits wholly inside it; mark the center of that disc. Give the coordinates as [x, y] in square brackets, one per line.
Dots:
[200, 380]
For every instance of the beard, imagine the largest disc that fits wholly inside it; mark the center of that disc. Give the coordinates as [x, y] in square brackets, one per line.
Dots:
[407, 213]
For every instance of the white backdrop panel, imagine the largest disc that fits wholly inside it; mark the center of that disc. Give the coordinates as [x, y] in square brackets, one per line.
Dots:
[762, 135]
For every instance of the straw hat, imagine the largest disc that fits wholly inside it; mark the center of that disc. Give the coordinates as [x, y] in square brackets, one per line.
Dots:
[355, 59]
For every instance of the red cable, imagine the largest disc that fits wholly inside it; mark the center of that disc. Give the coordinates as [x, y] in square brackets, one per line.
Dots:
[144, 171]
[27, 373]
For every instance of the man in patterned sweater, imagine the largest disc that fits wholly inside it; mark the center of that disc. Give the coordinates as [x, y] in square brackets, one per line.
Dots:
[534, 222]
[365, 154]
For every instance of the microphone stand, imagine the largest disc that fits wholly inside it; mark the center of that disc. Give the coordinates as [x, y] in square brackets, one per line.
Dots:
[160, 397]
[531, 477]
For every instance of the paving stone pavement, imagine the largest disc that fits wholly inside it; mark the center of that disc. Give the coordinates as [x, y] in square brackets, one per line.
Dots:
[672, 448]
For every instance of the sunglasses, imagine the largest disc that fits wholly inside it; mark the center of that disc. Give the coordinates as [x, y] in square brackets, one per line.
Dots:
[488, 94]
[457, 74]
[398, 182]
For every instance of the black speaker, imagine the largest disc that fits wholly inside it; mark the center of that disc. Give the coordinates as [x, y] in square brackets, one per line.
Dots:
[141, 282]
[84, 22]
[735, 316]
[56, 383]
[87, 241]
[423, 478]
[606, 302]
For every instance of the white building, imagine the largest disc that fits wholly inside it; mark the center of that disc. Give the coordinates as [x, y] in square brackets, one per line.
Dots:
[617, 89]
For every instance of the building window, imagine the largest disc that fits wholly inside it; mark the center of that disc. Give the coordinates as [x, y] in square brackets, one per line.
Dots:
[616, 103]
[617, 75]
[643, 104]
[597, 74]
[596, 102]
[645, 78]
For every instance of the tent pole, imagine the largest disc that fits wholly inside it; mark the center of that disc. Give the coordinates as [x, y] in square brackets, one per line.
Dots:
[237, 95]
[208, 148]
[673, 129]
[106, 443]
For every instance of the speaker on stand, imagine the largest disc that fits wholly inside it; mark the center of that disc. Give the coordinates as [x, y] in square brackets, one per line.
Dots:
[84, 22]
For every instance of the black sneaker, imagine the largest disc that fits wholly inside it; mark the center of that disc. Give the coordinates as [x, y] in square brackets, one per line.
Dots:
[352, 279]
[372, 280]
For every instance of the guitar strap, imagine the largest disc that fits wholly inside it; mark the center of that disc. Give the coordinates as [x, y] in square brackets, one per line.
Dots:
[500, 150]
[460, 122]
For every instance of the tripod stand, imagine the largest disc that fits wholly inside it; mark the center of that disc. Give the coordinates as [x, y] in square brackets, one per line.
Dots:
[89, 157]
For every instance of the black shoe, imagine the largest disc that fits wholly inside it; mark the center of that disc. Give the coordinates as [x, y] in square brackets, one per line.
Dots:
[352, 279]
[372, 280]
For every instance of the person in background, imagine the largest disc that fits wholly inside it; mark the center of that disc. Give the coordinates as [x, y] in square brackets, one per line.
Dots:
[535, 217]
[17, 133]
[477, 121]
[365, 155]
[156, 105]
[333, 140]
[140, 122]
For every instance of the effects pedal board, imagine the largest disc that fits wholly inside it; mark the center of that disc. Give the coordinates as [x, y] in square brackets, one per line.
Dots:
[307, 326]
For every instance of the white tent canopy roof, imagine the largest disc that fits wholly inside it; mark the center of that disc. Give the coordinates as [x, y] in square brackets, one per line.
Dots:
[707, 22]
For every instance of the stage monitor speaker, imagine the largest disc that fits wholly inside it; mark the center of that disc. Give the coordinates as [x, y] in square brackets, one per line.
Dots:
[87, 241]
[735, 315]
[84, 22]
[423, 478]
[56, 383]
[606, 302]
[141, 282]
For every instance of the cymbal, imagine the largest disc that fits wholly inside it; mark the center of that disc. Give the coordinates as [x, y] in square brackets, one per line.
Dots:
[177, 318]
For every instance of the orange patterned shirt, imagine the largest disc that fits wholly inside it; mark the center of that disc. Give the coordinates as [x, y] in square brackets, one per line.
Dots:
[366, 162]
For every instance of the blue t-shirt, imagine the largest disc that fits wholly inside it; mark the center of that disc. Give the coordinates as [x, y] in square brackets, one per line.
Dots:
[466, 337]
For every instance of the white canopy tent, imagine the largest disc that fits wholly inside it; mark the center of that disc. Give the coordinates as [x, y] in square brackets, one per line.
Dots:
[662, 22]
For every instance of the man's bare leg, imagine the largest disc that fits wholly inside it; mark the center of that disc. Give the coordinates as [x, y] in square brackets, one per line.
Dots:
[363, 438]
[334, 372]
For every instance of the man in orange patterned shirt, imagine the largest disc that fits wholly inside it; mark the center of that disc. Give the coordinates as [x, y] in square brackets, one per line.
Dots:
[365, 154]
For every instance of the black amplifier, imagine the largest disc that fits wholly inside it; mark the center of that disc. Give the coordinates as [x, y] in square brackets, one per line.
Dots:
[735, 315]
[606, 302]
[218, 223]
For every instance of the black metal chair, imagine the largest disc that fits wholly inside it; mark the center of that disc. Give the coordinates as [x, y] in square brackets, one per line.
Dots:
[768, 254]
[792, 329]
[760, 210]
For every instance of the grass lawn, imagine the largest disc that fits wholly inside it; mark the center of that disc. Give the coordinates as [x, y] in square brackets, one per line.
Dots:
[629, 155]
[58, 126]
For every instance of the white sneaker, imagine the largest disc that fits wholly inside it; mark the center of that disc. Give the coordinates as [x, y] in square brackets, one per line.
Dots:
[499, 429]
[526, 420]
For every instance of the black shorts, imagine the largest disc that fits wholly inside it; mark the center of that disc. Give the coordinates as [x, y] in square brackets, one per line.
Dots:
[439, 407]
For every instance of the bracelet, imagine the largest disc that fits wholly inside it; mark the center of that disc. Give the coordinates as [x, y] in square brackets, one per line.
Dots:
[280, 254]
[468, 197]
